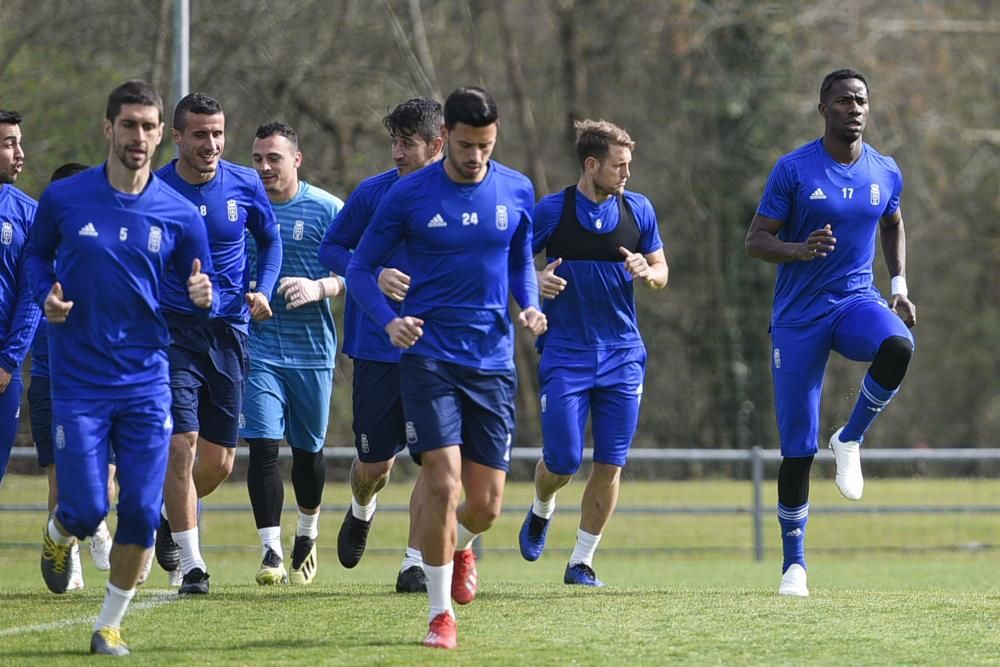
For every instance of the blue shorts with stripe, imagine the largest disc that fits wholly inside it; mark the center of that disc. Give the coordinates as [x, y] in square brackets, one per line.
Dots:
[448, 404]
[138, 431]
[799, 355]
[379, 424]
[208, 367]
[605, 385]
[289, 403]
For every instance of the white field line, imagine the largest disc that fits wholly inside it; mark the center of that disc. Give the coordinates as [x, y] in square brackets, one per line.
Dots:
[160, 597]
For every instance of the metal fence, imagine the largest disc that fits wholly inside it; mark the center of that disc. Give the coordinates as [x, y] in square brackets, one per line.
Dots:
[756, 458]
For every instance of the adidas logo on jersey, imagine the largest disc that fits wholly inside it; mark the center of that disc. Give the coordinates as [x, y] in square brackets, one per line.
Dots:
[817, 194]
[88, 230]
[437, 221]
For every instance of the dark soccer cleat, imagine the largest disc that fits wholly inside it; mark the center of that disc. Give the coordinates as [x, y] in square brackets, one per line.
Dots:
[108, 641]
[351, 539]
[442, 633]
[272, 570]
[581, 575]
[303, 561]
[411, 580]
[195, 583]
[168, 552]
[57, 567]
[531, 539]
[464, 578]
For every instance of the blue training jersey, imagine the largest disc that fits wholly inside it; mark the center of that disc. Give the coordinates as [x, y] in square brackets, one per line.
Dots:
[233, 202]
[807, 190]
[597, 309]
[18, 312]
[363, 337]
[111, 251]
[304, 337]
[469, 247]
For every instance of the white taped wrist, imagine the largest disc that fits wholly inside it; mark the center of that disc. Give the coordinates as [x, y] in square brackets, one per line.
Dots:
[899, 286]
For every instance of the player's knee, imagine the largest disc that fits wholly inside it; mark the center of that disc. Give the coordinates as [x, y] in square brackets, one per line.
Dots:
[482, 512]
[263, 453]
[86, 514]
[891, 361]
[564, 465]
[137, 524]
[369, 473]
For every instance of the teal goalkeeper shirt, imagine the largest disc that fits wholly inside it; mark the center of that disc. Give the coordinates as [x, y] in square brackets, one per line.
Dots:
[305, 337]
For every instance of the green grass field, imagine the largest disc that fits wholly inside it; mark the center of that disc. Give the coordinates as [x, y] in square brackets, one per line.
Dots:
[681, 589]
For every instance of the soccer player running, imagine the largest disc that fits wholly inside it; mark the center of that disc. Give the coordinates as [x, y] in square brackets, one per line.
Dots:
[208, 360]
[18, 313]
[598, 239]
[291, 360]
[40, 404]
[414, 128]
[465, 224]
[114, 232]
[817, 219]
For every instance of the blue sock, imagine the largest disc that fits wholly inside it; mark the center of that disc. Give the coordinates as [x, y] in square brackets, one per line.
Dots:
[793, 522]
[871, 401]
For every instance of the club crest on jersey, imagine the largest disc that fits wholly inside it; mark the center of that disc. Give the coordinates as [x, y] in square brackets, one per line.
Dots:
[298, 231]
[231, 211]
[7, 233]
[155, 237]
[501, 217]
[874, 195]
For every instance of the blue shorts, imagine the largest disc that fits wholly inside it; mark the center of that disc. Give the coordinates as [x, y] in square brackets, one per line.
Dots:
[605, 384]
[289, 403]
[208, 367]
[798, 363]
[40, 407]
[379, 424]
[10, 413]
[448, 404]
[138, 429]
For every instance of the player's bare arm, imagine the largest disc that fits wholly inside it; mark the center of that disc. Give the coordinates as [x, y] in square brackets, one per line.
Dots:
[393, 283]
[762, 242]
[650, 268]
[549, 284]
[893, 235]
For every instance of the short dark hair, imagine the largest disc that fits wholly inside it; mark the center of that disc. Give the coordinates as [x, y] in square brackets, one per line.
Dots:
[276, 127]
[839, 75]
[67, 170]
[10, 117]
[198, 103]
[133, 92]
[472, 106]
[422, 116]
[594, 138]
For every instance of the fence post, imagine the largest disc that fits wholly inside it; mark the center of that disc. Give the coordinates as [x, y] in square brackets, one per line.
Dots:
[757, 475]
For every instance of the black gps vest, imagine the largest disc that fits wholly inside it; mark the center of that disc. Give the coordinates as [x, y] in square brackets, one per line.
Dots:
[572, 242]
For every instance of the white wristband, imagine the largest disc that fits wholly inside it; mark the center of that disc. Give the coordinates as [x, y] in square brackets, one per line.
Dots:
[899, 286]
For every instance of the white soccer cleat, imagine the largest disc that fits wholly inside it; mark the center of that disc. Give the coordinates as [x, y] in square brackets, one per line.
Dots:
[793, 582]
[175, 578]
[850, 481]
[75, 570]
[100, 548]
